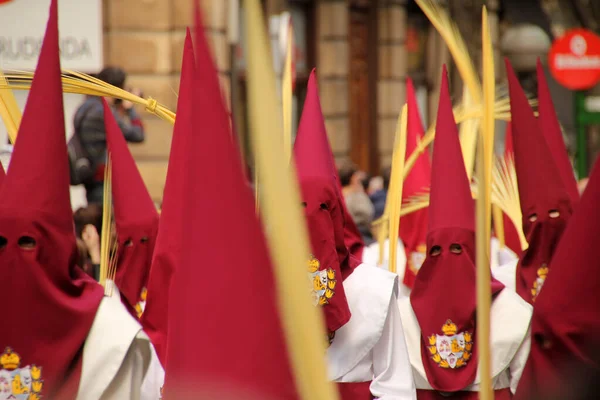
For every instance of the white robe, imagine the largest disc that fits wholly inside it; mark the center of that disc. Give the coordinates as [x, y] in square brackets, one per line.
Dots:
[510, 341]
[500, 256]
[119, 362]
[371, 346]
[507, 274]
[371, 257]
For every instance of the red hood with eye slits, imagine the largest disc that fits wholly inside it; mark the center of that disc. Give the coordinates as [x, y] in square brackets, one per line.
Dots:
[541, 191]
[443, 297]
[330, 262]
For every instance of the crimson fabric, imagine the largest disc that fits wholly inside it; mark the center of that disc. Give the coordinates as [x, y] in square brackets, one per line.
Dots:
[444, 289]
[52, 302]
[565, 323]
[171, 228]
[499, 394]
[136, 217]
[355, 390]
[550, 127]
[323, 209]
[511, 235]
[237, 340]
[541, 191]
[413, 227]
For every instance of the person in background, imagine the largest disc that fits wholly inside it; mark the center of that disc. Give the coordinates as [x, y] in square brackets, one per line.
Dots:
[378, 197]
[358, 203]
[89, 125]
[88, 227]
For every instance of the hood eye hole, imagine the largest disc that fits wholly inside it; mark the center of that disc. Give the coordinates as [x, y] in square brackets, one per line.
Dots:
[303, 204]
[128, 243]
[543, 341]
[324, 206]
[27, 243]
[455, 248]
[144, 240]
[533, 218]
[435, 251]
[3, 242]
[554, 213]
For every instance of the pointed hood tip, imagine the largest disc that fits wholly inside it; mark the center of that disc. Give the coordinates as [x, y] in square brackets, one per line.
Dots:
[448, 172]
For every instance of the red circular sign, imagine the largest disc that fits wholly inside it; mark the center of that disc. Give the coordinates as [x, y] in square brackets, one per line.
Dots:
[575, 59]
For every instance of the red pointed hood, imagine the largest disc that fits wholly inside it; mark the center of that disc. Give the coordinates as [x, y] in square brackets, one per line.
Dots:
[323, 209]
[241, 296]
[550, 127]
[565, 321]
[173, 217]
[545, 204]
[511, 235]
[38, 258]
[449, 267]
[413, 227]
[136, 217]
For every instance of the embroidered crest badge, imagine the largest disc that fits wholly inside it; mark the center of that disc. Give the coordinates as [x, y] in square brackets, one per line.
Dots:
[322, 283]
[19, 383]
[542, 273]
[141, 305]
[452, 349]
[417, 258]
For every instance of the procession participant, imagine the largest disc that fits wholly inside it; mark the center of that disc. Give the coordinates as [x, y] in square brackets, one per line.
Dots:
[439, 317]
[564, 354]
[545, 203]
[70, 346]
[367, 355]
[136, 219]
[168, 248]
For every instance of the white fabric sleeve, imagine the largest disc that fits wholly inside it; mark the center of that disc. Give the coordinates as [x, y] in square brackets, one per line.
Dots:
[518, 363]
[127, 384]
[392, 372]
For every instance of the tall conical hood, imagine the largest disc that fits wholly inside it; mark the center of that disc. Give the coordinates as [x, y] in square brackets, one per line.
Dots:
[320, 192]
[38, 257]
[413, 228]
[550, 127]
[171, 228]
[545, 204]
[242, 297]
[136, 217]
[566, 345]
[449, 267]
[448, 172]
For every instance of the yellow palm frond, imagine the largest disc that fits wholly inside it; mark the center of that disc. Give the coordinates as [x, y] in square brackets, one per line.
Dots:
[80, 83]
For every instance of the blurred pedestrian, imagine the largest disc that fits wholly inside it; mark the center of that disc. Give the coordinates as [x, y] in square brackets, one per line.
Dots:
[89, 125]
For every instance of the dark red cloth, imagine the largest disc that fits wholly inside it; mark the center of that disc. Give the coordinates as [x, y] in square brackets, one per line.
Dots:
[550, 127]
[355, 390]
[237, 339]
[329, 263]
[541, 193]
[413, 227]
[511, 235]
[51, 302]
[499, 394]
[172, 226]
[135, 215]
[444, 296]
[565, 323]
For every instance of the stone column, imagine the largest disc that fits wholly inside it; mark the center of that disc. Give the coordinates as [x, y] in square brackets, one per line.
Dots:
[437, 55]
[332, 70]
[391, 85]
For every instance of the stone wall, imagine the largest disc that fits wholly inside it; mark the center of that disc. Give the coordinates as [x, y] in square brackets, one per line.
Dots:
[145, 37]
[332, 68]
[391, 84]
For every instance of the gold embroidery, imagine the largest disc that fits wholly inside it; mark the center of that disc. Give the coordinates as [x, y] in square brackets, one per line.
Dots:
[452, 349]
[542, 273]
[26, 382]
[322, 282]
